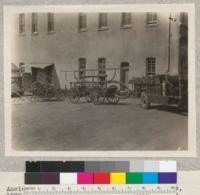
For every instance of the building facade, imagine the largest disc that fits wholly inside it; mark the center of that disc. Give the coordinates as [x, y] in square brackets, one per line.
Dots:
[138, 44]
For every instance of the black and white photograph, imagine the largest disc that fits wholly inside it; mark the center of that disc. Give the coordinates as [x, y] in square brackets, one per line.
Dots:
[99, 79]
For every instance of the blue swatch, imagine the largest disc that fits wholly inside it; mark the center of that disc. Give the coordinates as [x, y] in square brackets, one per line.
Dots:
[150, 178]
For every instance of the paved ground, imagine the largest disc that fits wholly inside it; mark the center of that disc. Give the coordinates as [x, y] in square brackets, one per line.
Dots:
[60, 125]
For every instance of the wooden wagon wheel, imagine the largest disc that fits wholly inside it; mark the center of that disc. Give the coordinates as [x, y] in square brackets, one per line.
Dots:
[121, 94]
[59, 94]
[74, 95]
[111, 96]
[97, 96]
[89, 95]
[34, 89]
[49, 92]
[113, 100]
[37, 89]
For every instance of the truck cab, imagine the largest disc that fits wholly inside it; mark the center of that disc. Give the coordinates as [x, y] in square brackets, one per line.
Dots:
[162, 89]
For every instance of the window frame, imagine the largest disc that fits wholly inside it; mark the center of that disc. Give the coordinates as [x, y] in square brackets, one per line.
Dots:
[103, 21]
[152, 18]
[150, 66]
[82, 22]
[22, 22]
[82, 70]
[101, 65]
[183, 18]
[34, 22]
[50, 23]
[126, 20]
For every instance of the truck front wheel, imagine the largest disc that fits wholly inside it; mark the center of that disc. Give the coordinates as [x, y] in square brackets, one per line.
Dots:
[145, 100]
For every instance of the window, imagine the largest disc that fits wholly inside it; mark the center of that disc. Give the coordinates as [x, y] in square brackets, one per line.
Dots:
[21, 23]
[34, 23]
[102, 67]
[103, 21]
[152, 18]
[50, 24]
[82, 67]
[150, 66]
[126, 20]
[183, 18]
[82, 22]
[124, 75]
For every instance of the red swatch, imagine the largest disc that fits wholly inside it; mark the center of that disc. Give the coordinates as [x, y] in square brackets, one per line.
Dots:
[101, 178]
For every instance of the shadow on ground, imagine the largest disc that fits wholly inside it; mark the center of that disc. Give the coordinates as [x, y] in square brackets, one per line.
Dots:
[173, 109]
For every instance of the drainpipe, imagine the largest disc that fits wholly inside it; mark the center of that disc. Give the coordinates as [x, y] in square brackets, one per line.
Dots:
[169, 42]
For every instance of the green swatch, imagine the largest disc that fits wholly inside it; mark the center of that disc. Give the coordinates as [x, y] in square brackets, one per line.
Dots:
[134, 178]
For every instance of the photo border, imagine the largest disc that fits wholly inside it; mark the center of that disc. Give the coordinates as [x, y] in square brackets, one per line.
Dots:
[191, 152]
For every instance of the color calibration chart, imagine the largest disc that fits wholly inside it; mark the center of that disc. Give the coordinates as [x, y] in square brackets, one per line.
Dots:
[109, 172]
[101, 177]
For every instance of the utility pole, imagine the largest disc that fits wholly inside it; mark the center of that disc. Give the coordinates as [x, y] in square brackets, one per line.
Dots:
[169, 42]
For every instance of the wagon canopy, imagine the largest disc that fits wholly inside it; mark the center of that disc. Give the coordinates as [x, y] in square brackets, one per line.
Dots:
[45, 73]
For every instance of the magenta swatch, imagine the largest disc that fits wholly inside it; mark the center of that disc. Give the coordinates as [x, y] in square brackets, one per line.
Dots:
[85, 178]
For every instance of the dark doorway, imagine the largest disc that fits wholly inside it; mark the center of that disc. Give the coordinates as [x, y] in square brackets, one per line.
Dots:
[124, 69]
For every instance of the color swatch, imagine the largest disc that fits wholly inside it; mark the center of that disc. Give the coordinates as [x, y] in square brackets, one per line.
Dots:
[106, 172]
[85, 178]
[68, 178]
[134, 178]
[118, 178]
[101, 178]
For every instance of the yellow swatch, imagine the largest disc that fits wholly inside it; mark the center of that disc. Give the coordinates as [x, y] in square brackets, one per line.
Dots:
[118, 178]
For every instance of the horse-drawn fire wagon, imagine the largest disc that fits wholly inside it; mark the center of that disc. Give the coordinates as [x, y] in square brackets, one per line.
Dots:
[96, 87]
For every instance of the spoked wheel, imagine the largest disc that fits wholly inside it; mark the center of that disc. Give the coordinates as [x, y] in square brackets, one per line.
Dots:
[145, 100]
[49, 94]
[41, 93]
[111, 96]
[89, 96]
[37, 90]
[113, 99]
[74, 96]
[122, 90]
[97, 97]
[59, 94]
